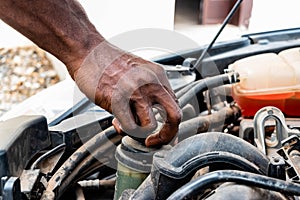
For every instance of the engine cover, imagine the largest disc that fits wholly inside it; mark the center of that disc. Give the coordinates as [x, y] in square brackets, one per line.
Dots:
[21, 138]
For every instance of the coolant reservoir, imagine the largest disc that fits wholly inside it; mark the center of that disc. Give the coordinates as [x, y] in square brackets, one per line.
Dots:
[269, 80]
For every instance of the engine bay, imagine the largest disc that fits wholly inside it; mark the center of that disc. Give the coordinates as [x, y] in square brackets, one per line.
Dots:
[238, 139]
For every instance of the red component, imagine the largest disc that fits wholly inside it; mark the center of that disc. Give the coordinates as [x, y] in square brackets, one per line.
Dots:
[288, 103]
[269, 80]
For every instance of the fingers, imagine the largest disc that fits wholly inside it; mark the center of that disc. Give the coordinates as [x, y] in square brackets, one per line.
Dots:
[117, 126]
[170, 127]
[136, 120]
[121, 110]
[145, 116]
[164, 136]
[132, 95]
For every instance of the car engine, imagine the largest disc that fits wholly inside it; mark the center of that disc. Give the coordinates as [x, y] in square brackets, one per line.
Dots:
[239, 137]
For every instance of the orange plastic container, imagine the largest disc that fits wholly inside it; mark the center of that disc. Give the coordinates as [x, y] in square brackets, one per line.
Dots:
[269, 80]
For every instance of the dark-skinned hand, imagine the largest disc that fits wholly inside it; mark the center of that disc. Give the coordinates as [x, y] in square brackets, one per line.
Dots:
[129, 86]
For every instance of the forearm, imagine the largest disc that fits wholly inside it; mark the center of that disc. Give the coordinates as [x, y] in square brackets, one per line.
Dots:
[118, 81]
[60, 27]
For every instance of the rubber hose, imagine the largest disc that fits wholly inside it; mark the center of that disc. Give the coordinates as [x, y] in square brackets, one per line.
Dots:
[203, 123]
[205, 84]
[71, 163]
[101, 156]
[178, 164]
[199, 184]
[88, 165]
[184, 90]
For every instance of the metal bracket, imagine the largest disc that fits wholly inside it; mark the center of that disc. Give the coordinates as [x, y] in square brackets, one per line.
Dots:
[260, 119]
[11, 188]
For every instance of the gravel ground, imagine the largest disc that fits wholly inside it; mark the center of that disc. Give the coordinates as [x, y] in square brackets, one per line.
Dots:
[24, 71]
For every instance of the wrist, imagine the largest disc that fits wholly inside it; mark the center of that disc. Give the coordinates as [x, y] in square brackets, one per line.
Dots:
[79, 51]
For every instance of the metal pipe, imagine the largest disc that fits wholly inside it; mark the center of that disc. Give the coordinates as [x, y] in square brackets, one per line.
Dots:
[225, 22]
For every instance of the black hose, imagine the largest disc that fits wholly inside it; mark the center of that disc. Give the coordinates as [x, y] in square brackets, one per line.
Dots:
[204, 84]
[199, 184]
[176, 166]
[103, 155]
[96, 167]
[77, 157]
[79, 172]
[47, 155]
[204, 123]
[184, 90]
